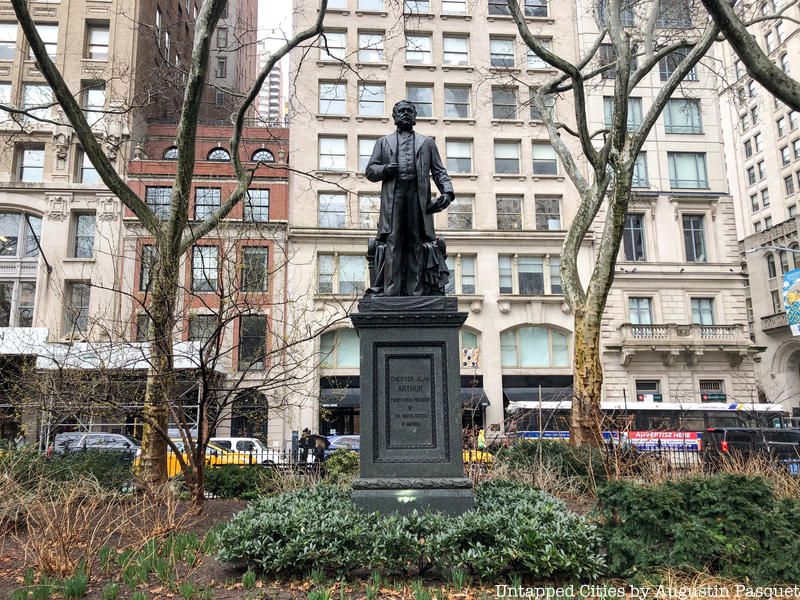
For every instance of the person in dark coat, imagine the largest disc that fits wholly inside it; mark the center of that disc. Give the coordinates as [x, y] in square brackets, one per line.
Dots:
[404, 161]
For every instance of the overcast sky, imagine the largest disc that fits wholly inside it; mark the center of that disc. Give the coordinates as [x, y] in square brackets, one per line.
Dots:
[274, 20]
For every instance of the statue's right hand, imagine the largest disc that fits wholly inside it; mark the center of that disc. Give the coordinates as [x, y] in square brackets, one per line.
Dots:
[392, 169]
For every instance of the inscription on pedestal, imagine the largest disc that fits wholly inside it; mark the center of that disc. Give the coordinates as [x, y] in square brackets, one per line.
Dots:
[411, 396]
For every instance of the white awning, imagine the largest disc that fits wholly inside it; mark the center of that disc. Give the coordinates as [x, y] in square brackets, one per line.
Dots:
[113, 355]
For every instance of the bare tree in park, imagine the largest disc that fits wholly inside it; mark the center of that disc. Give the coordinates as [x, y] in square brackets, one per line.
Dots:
[610, 155]
[172, 235]
[730, 17]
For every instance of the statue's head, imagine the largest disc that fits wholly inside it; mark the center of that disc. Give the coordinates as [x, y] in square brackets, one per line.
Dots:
[404, 114]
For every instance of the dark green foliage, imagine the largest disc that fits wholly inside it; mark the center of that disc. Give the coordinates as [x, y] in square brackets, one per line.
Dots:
[729, 525]
[235, 482]
[341, 465]
[585, 464]
[514, 528]
[111, 470]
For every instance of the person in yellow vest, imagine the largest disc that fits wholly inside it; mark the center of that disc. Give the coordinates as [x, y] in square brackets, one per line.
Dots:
[481, 440]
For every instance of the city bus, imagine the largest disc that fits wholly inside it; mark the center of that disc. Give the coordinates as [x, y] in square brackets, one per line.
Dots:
[648, 426]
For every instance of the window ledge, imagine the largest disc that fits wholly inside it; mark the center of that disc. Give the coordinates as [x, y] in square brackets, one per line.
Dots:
[543, 71]
[532, 122]
[371, 13]
[464, 121]
[420, 15]
[77, 260]
[331, 63]
[471, 176]
[411, 66]
[467, 68]
[547, 177]
[379, 65]
[321, 117]
[500, 70]
[427, 120]
[497, 122]
[382, 119]
[338, 11]
[323, 173]
[465, 17]
[547, 20]
[518, 176]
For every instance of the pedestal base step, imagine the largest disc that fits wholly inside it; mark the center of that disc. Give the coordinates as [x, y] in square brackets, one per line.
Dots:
[452, 496]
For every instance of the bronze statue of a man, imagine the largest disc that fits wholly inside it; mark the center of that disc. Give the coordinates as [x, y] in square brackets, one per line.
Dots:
[410, 262]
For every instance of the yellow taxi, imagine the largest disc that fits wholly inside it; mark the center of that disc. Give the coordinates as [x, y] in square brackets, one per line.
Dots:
[480, 457]
[216, 456]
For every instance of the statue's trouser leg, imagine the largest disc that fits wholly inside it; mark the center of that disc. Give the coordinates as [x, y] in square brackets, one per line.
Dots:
[393, 261]
[413, 242]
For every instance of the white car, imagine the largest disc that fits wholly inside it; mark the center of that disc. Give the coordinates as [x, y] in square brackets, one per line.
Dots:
[254, 447]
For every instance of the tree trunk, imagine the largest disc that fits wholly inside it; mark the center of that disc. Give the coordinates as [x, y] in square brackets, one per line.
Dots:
[587, 385]
[161, 373]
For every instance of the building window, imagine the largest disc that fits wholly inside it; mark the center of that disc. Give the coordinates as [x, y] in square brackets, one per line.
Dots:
[504, 103]
[501, 52]
[754, 202]
[748, 148]
[97, 41]
[525, 275]
[703, 311]
[549, 103]
[459, 156]
[535, 62]
[674, 14]
[93, 103]
[369, 210]
[49, 35]
[784, 60]
[256, 206]
[687, 169]
[77, 307]
[648, 390]
[422, 98]
[142, 327]
[83, 240]
[545, 161]
[548, 213]
[506, 157]
[784, 258]
[634, 112]
[419, 49]
[767, 222]
[626, 15]
[339, 349]
[454, 7]
[5, 98]
[263, 156]
[682, 115]
[509, 213]
[332, 153]
[37, 99]
[640, 178]
[462, 275]
[456, 102]
[86, 171]
[796, 149]
[416, 6]
[669, 64]
[31, 165]
[333, 45]
[633, 238]
[252, 342]
[762, 170]
[206, 201]
[372, 5]
[17, 303]
[219, 98]
[221, 70]
[205, 266]
[365, 147]
[332, 211]
[222, 37]
[8, 41]
[694, 239]
[750, 174]
[535, 8]
[607, 59]
[777, 302]
[527, 347]
[219, 155]
[333, 98]
[341, 274]
[371, 99]
[147, 262]
[788, 185]
[255, 268]
[370, 47]
[786, 156]
[780, 124]
[203, 328]
[455, 50]
[640, 311]
[765, 197]
[460, 213]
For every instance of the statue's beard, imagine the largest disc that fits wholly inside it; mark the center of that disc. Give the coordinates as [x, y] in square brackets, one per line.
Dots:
[405, 124]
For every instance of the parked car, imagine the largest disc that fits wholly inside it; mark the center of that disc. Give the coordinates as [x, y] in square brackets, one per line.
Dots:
[780, 444]
[78, 441]
[343, 442]
[254, 448]
[216, 456]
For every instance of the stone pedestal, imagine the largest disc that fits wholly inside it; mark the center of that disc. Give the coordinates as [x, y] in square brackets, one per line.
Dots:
[411, 446]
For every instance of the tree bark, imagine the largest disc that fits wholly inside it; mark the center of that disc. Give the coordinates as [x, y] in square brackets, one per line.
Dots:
[587, 385]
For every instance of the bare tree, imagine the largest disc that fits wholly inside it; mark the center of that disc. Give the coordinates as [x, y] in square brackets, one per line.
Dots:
[610, 155]
[728, 17]
[172, 235]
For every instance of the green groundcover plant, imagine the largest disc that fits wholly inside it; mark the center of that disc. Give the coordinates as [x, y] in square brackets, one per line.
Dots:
[514, 528]
[728, 525]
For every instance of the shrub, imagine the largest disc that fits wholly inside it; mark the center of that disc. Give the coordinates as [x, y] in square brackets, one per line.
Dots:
[234, 481]
[730, 525]
[28, 468]
[342, 465]
[513, 529]
[583, 465]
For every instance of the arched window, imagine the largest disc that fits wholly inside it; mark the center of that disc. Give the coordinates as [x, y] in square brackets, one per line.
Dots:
[785, 62]
[339, 349]
[171, 153]
[263, 155]
[249, 415]
[771, 270]
[795, 255]
[534, 347]
[219, 155]
[20, 234]
[784, 258]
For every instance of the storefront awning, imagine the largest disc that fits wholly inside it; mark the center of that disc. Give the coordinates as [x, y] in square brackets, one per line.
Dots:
[340, 397]
[472, 398]
[537, 394]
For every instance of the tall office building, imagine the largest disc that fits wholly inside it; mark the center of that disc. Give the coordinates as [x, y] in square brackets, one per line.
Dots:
[675, 328]
[762, 139]
[271, 105]
[234, 57]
